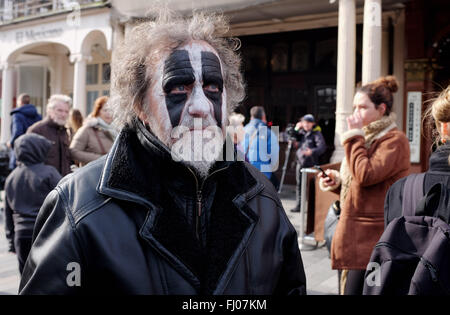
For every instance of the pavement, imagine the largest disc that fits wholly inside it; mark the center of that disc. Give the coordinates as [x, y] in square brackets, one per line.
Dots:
[321, 280]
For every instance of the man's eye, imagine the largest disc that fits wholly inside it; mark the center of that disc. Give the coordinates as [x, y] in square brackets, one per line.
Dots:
[211, 87]
[179, 89]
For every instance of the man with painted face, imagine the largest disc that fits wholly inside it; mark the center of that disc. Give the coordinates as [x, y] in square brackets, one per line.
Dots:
[168, 210]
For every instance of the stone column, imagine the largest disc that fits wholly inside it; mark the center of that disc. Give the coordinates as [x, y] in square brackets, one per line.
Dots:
[56, 70]
[7, 101]
[384, 71]
[79, 81]
[371, 58]
[346, 64]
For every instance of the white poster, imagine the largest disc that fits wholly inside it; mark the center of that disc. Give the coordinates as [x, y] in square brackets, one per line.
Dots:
[413, 124]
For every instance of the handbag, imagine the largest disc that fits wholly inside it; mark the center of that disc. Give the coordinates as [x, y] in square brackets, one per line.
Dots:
[331, 221]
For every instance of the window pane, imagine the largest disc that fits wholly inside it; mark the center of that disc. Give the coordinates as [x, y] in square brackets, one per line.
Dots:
[279, 60]
[90, 99]
[326, 54]
[300, 56]
[255, 58]
[92, 74]
[106, 92]
[106, 69]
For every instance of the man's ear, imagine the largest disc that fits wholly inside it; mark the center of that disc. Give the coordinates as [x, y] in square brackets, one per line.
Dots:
[141, 115]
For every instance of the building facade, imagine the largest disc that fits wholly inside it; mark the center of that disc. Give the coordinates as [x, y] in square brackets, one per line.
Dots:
[299, 56]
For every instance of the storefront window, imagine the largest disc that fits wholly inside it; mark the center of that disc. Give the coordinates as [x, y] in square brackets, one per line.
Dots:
[326, 101]
[92, 74]
[255, 58]
[300, 56]
[279, 61]
[90, 100]
[326, 54]
[106, 73]
[98, 77]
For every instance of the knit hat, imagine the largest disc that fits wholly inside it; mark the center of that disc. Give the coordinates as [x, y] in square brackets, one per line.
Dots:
[309, 118]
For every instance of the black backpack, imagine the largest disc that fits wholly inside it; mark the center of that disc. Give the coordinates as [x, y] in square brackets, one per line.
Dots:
[413, 254]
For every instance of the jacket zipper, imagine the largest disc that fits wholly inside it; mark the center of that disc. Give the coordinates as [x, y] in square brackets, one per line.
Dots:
[199, 199]
[425, 262]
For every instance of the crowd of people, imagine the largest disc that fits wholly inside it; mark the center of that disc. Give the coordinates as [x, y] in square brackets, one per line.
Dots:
[145, 221]
[42, 152]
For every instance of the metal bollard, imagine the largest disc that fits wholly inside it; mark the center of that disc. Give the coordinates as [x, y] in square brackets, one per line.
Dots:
[304, 209]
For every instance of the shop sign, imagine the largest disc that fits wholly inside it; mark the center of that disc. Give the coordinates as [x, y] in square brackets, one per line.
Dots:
[413, 124]
[35, 35]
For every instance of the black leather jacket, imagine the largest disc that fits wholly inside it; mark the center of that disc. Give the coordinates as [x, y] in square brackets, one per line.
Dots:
[130, 224]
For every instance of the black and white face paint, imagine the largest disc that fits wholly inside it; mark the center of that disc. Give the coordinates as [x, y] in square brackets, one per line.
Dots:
[188, 98]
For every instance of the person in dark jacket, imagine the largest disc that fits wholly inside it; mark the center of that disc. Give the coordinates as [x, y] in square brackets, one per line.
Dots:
[26, 188]
[311, 145]
[22, 117]
[53, 128]
[147, 218]
[439, 163]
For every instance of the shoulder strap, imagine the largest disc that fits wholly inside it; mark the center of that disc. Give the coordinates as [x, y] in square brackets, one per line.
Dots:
[412, 193]
[99, 141]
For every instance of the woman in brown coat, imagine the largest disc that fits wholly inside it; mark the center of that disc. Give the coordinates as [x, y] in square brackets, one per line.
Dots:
[96, 136]
[376, 156]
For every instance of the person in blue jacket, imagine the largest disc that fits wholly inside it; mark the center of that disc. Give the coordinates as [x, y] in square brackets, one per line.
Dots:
[22, 117]
[260, 143]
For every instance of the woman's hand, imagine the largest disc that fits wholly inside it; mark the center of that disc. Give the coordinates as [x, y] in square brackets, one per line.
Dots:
[355, 121]
[329, 180]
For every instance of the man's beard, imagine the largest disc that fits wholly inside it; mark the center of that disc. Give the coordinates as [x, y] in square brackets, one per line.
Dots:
[196, 142]
[59, 122]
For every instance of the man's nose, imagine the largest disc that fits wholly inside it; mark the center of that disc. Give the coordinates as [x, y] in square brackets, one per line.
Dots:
[199, 105]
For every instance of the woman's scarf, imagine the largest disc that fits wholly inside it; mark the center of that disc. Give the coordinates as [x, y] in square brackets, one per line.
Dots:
[375, 130]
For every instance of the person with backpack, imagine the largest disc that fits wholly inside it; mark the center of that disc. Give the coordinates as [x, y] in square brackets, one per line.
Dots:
[376, 155]
[413, 252]
[26, 188]
[439, 168]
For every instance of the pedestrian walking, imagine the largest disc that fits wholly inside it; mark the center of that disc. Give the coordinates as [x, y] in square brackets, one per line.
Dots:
[53, 128]
[376, 155]
[310, 146]
[26, 188]
[22, 117]
[149, 218]
[260, 144]
[96, 136]
[438, 114]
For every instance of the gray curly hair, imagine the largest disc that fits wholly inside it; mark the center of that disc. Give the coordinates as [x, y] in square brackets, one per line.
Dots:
[135, 59]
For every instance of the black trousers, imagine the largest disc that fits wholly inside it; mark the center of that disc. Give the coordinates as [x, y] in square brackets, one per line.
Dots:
[23, 247]
[9, 228]
[355, 282]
